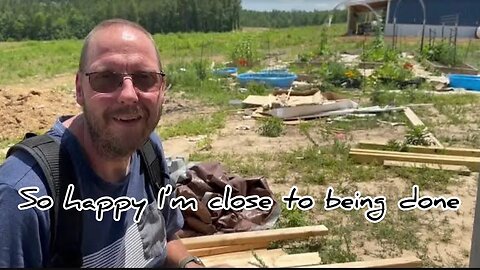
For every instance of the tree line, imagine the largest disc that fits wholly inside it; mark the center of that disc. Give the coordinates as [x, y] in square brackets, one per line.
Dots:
[65, 19]
[280, 19]
[60, 19]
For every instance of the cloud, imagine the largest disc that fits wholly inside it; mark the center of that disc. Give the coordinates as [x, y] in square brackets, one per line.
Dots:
[308, 5]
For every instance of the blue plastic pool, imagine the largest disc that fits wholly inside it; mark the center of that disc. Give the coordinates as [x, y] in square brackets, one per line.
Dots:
[273, 79]
[469, 82]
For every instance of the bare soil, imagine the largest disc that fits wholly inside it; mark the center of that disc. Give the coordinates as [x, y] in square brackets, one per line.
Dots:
[35, 106]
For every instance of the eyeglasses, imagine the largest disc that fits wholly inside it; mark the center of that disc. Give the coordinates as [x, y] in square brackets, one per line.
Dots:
[109, 81]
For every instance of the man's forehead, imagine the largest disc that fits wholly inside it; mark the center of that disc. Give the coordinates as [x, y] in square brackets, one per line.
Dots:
[118, 33]
[120, 39]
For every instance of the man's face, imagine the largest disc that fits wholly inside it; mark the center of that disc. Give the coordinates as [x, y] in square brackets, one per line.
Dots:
[119, 122]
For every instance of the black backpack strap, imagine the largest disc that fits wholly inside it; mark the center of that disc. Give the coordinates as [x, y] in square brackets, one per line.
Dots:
[153, 166]
[65, 225]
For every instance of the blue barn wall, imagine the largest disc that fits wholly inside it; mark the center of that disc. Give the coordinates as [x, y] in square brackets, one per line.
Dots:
[410, 11]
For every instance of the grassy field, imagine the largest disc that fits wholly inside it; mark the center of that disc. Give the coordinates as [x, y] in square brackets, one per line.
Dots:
[21, 61]
[312, 155]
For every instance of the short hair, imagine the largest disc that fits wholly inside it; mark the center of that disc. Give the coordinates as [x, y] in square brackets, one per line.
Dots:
[106, 24]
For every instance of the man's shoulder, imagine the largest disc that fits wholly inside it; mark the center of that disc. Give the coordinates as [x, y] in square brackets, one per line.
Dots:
[21, 170]
[156, 140]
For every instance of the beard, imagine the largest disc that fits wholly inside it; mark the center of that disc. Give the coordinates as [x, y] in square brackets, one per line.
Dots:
[112, 144]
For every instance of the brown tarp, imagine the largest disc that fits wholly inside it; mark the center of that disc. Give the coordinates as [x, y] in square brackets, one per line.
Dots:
[207, 180]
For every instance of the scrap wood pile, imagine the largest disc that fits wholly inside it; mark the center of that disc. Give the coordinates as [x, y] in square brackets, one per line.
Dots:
[435, 156]
[291, 106]
[250, 249]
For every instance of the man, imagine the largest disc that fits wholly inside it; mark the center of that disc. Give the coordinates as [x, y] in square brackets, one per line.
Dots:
[120, 87]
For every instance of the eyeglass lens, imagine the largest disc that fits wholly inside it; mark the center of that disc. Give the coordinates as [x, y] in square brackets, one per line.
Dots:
[107, 81]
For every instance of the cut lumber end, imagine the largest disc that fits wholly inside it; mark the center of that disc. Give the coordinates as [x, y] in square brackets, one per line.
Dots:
[460, 169]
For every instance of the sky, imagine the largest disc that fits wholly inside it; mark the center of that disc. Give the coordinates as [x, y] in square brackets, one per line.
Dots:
[308, 5]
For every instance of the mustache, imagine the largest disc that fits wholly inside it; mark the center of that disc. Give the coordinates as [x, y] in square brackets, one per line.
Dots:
[127, 110]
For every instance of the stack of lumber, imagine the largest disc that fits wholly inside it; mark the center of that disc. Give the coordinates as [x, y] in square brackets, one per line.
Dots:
[460, 160]
[249, 249]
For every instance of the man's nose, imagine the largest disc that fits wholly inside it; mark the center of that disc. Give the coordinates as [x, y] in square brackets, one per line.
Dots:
[128, 94]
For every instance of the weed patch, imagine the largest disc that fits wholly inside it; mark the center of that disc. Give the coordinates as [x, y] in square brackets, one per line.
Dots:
[426, 178]
[271, 127]
[194, 126]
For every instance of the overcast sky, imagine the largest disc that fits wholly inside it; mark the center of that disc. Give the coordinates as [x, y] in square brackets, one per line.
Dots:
[309, 5]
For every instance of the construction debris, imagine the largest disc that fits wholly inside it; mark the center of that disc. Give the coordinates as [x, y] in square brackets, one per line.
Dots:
[249, 249]
[376, 156]
[292, 106]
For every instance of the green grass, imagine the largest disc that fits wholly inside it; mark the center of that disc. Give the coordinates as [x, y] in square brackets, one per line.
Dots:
[37, 59]
[30, 60]
[325, 164]
[311, 165]
[5, 144]
[425, 178]
[194, 126]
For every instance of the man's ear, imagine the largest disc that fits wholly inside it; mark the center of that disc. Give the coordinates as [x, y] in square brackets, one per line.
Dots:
[79, 89]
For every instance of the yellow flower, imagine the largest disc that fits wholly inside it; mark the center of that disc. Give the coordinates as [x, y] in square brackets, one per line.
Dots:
[349, 74]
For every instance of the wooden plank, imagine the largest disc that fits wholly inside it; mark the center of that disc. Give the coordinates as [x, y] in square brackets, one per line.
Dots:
[291, 260]
[256, 100]
[472, 163]
[412, 117]
[268, 259]
[242, 258]
[226, 249]
[435, 141]
[460, 169]
[414, 154]
[403, 262]
[245, 254]
[254, 237]
[453, 151]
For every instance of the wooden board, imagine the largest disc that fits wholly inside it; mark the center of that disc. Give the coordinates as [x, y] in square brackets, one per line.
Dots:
[426, 150]
[462, 170]
[404, 262]
[412, 117]
[269, 259]
[226, 249]
[241, 258]
[311, 110]
[414, 154]
[266, 236]
[368, 156]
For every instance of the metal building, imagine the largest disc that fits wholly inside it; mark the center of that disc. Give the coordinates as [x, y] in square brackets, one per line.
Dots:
[406, 17]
